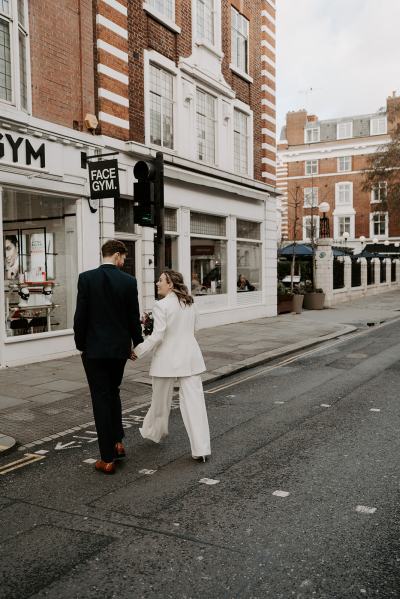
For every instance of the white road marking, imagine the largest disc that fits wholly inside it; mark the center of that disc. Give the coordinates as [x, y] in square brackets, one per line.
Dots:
[279, 402]
[375, 410]
[146, 471]
[281, 493]
[41, 451]
[364, 509]
[70, 445]
[90, 461]
[325, 405]
[209, 481]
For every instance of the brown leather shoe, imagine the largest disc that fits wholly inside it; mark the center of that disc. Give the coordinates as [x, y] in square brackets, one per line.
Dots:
[119, 451]
[106, 467]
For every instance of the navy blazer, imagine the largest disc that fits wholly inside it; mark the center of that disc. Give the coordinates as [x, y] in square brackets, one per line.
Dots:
[107, 318]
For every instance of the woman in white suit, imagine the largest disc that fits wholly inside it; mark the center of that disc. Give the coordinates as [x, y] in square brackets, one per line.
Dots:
[176, 355]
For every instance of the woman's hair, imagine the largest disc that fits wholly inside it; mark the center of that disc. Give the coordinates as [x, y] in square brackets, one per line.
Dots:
[179, 287]
[13, 239]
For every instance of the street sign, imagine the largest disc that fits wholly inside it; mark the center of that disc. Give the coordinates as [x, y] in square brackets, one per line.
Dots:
[103, 179]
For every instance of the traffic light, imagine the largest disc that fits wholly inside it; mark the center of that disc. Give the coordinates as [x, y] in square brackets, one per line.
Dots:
[144, 194]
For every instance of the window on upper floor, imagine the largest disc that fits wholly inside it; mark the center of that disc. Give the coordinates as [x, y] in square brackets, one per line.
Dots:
[205, 15]
[241, 142]
[164, 7]
[311, 135]
[378, 125]
[379, 224]
[161, 92]
[344, 164]
[310, 227]
[240, 41]
[345, 130]
[206, 126]
[311, 167]
[14, 53]
[310, 197]
[379, 193]
[344, 194]
[343, 225]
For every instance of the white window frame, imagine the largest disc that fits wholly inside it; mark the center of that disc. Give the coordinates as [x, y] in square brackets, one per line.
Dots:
[158, 60]
[378, 125]
[378, 188]
[311, 135]
[310, 193]
[348, 125]
[247, 136]
[162, 16]
[311, 167]
[237, 37]
[307, 219]
[336, 223]
[15, 28]
[340, 166]
[371, 225]
[338, 190]
[215, 45]
[216, 111]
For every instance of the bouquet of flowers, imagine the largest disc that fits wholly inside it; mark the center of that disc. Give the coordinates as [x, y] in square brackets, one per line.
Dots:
[147, 323]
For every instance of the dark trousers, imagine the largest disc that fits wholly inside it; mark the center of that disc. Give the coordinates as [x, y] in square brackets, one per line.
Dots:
[104, 378]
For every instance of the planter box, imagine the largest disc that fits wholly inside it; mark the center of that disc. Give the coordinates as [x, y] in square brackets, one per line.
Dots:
[297, 303]
[285, 304]
[290, 304]
[314, 301]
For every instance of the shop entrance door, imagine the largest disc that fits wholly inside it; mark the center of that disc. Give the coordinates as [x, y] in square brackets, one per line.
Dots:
[130, 261]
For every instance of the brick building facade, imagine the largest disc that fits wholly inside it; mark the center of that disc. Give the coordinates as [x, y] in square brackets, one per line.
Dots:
[194, 79]
[323, 161]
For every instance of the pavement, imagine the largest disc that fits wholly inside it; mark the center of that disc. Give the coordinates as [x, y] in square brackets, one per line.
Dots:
[47, 400]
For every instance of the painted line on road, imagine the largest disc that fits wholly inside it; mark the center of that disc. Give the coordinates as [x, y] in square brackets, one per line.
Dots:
[284, 362]
[281, 493]
[364, 509]
[209, 481]
[375, 410]
[29, 458]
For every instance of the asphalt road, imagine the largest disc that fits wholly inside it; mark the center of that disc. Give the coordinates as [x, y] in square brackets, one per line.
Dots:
[304, 503]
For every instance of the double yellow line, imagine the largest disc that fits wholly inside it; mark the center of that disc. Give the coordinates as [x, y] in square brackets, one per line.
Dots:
[29, 458]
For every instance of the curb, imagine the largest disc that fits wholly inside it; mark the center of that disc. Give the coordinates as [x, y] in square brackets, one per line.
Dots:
[260, 359]
[7, 444]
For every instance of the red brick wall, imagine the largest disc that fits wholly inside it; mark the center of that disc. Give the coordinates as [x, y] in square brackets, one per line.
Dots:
[61, 46]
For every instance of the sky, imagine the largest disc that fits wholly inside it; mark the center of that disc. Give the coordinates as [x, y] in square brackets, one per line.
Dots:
[336, 57]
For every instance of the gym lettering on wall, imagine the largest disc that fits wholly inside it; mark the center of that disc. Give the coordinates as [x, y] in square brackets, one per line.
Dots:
[18, 146]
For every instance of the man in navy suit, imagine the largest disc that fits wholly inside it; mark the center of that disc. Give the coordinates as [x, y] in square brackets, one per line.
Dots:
[106, 324]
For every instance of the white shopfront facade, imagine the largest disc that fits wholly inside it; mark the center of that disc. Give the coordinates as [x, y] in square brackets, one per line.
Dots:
[49, 236]
[216, 229]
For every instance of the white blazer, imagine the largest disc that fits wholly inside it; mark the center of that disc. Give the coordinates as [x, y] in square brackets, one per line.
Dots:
[176, 351]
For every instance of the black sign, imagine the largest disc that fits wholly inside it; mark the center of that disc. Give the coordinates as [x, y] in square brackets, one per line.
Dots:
[103, 179]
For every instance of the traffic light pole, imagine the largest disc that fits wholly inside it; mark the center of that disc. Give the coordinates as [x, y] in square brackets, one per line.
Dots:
[159, 204]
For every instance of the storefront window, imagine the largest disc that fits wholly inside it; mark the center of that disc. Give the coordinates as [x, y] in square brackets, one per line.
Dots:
[248, 256]
[209, 266]
[123, 215]
[40, 262]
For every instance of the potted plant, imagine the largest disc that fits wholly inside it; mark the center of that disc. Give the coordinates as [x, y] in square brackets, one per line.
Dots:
[285, 299]
[297, 299]
[314, 298]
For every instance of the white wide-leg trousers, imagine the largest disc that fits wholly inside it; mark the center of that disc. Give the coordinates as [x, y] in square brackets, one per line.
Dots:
[193, 410]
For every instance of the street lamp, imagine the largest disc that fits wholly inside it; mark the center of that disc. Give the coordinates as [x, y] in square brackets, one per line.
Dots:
[324, 230]
[362, 241]
[345, 237]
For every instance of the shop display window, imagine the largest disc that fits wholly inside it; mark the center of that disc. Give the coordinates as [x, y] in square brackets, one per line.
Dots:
[208, 266]
[248, 256]
[40, 262]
